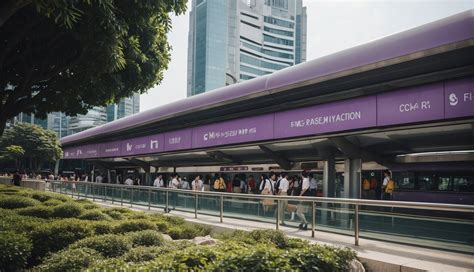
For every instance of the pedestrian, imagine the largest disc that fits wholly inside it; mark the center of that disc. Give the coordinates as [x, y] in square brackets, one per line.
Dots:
[301, 208]
[252, 185]
[219, 184]
[197, 184]
[16, 179]
[99, 178]
[174, 184]
[159, 181]
[313, 185]
[283, 191]
[129, 181]
[267, 187]
[184, 184]
[388, 185]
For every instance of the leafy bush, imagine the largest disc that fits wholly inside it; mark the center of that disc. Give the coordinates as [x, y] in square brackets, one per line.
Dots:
[162, 226]
[94, 215]
[53, 202]
[15, 202]
[36, 211]
[115, 215]
[18, 223]
[274, 237]
[324, 258]
[103, 228]
[188, 231]
[192, 258]
[45, 196]
[144, 254]
[71, 260]
[134, 225]
[67, 210]
[147, 238]
[15, 250]
[109, 245]
[58, 234]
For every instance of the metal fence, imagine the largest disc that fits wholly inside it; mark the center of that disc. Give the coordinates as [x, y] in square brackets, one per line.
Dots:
[447, 226]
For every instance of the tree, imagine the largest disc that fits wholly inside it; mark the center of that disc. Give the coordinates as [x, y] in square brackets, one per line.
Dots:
[15, 153]
[71, 55]
[39, 145]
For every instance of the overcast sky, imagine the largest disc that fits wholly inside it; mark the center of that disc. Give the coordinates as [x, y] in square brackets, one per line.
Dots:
[332, 26]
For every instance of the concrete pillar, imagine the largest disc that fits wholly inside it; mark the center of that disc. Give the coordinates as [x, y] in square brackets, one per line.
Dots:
[148, 177]
[329, 177]
[352, 178]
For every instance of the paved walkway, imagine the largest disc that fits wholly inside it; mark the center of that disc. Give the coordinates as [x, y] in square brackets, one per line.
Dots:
[376, 255]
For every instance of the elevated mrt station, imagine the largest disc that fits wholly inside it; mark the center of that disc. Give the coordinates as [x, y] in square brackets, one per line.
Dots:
[404, 102]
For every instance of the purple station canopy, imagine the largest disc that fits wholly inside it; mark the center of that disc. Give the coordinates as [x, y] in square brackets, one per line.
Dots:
[444, 100]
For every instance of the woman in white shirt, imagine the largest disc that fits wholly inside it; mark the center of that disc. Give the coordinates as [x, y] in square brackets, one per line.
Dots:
[158, 181]
[197, 184]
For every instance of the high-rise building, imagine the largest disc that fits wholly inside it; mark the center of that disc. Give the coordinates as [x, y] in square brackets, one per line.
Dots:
[126, 106]
[231, 41]
[64, 125]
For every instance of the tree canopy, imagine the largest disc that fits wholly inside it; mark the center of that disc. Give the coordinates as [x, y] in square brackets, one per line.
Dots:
[32, 143]
[71, 55]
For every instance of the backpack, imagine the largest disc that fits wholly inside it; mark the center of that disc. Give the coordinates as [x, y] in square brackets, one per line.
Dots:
[366, 185]
[373, 183]
[390, 187]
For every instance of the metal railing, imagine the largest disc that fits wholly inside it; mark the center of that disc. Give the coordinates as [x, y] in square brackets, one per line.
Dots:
[135, 193]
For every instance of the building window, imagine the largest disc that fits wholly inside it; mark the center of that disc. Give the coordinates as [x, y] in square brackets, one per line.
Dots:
[281, 41]
[246, 59]
[278, 22]
[249, 24]
[278, 31]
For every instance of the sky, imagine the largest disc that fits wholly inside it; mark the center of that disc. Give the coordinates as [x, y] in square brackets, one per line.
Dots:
[333, 26]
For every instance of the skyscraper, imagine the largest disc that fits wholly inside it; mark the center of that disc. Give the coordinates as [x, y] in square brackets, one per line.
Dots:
[66, 125]
[231, 41]
[125, 107]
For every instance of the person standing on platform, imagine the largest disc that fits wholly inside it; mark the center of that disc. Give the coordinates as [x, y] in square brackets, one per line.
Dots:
[197, 184]
[129, 181]
[16, 180]
[283, 190]
[99, 178]
[159, 181]
[301, 209]
[185, 184]
[313, 185]
[219, 184]
[388, 185]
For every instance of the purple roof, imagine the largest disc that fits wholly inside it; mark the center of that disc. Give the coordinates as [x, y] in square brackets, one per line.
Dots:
[448, 30]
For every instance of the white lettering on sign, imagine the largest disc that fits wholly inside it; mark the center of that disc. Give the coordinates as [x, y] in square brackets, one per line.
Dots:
[153, 144]
[468, 97]
[408, 107]
[129, 147]
[114, 149]
[328, 119]
[174, 140]
[213, 135]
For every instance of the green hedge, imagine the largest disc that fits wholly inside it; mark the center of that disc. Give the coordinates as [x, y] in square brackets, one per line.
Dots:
[36, 211]
[109, 245]
[67, 210]
[15, 249]
[96, 215]
[15, 202]
[147, 238]
[74, 259]
[134, 225]
[58, 234]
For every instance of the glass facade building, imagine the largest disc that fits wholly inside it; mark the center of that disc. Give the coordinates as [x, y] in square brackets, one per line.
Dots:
[231, 41]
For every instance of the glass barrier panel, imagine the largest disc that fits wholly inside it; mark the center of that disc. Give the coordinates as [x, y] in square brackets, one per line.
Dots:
[436, 229]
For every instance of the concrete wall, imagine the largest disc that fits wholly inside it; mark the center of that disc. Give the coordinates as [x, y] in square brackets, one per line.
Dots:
[28, 183]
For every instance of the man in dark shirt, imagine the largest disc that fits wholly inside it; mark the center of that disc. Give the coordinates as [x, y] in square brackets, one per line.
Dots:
[16, 179]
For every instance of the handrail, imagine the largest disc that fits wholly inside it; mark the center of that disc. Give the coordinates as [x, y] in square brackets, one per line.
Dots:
[350, 201]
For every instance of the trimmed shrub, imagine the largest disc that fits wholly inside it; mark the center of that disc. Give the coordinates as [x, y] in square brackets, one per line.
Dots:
[134, 225]
[15, 202]
[137, 216]
[189, 259]
[188, 231]
[67, 210]
[322, 258]
[58, 234]
[144, 254]
[147, 238]
[15, 249]
[70, 260]
[45, 196]
[53, 202]
[94, 215]
[103, 228]
[115, 215]
[36, 211]
[109, 245]
[18, 223]
[162, 226]
[275, 237]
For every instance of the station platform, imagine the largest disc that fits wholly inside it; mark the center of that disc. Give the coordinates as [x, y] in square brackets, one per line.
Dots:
[375, 255]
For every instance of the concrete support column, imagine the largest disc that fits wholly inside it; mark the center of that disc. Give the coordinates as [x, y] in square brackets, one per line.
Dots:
[329, 177]
[148, 177]
[352, 178]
